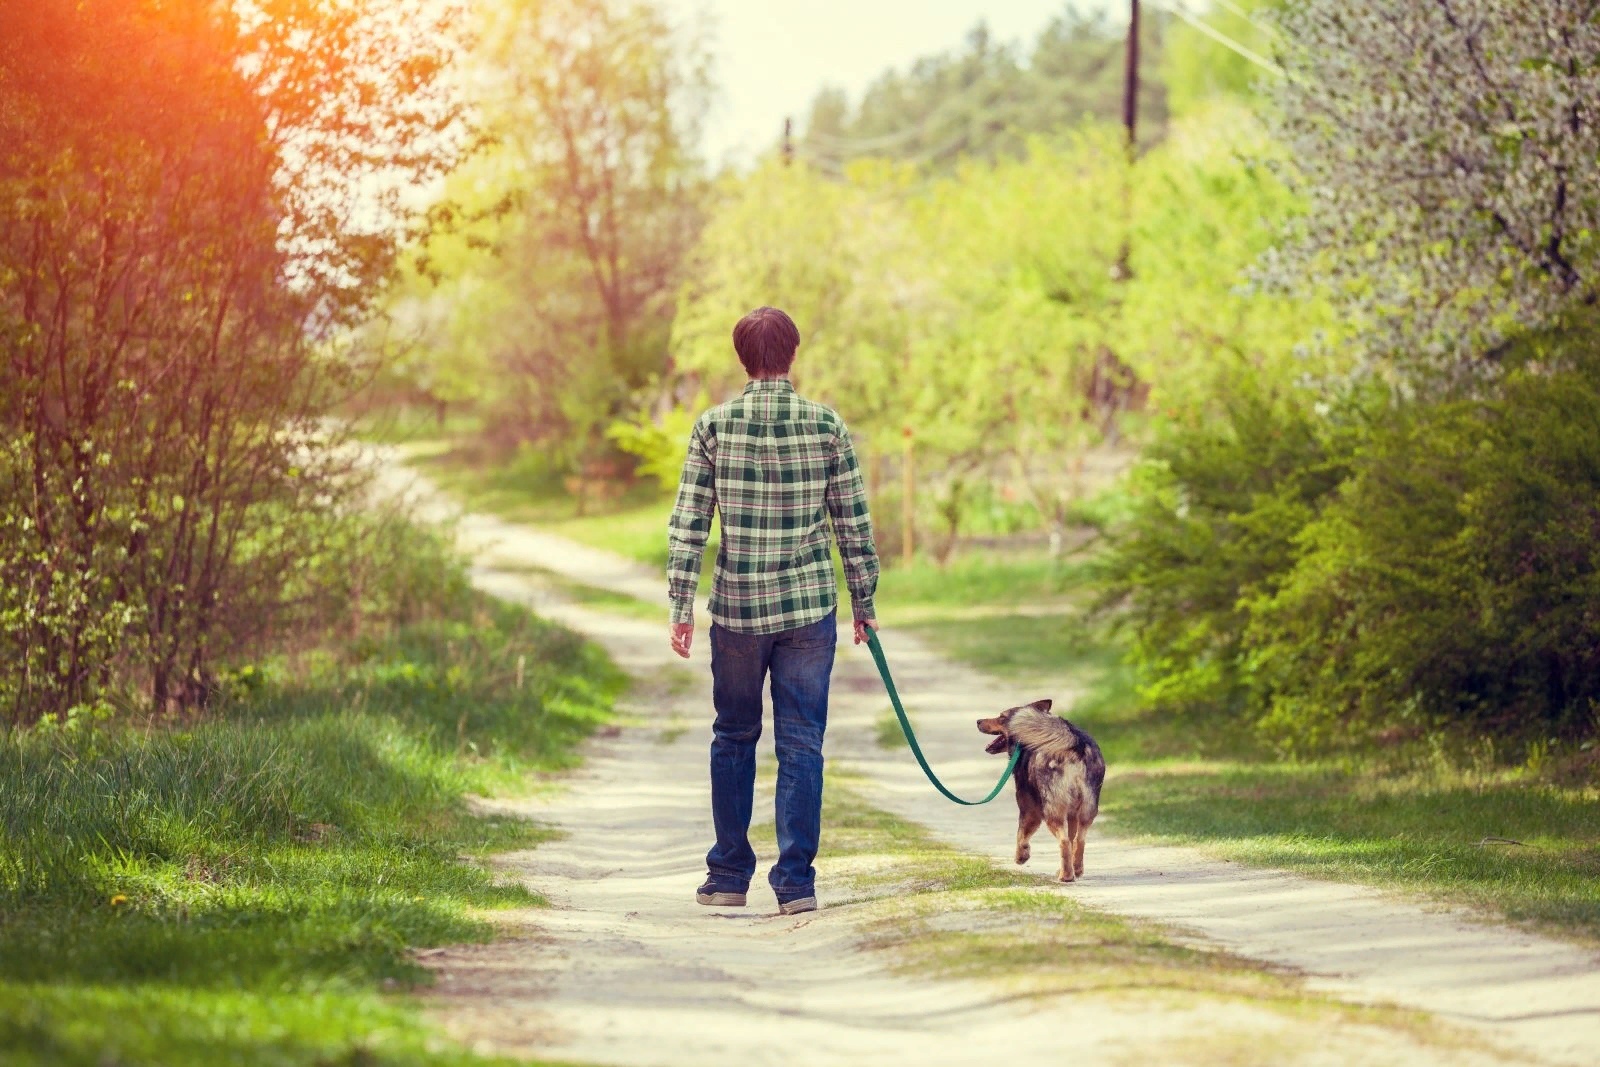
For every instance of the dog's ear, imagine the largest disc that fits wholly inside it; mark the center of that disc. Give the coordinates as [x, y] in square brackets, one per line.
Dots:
[1041, 705]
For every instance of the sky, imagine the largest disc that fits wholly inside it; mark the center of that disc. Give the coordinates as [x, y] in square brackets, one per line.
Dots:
[772, 56]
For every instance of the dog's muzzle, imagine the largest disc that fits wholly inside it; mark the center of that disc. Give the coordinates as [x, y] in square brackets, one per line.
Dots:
[1001, 742]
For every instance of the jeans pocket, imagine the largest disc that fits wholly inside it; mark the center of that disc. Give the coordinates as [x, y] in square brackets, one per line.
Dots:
[824, 633]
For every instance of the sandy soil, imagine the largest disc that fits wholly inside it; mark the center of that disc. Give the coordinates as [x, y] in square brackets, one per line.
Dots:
[626, 969]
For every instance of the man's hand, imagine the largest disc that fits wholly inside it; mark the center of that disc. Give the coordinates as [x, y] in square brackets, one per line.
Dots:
[683, 636]
[861, 629]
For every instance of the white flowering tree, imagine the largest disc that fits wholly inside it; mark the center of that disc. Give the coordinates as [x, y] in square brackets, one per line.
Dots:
[1447, 151]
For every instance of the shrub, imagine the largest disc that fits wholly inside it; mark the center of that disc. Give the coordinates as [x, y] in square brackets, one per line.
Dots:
[1454, 580]
[1215, 510]
[1333, 572]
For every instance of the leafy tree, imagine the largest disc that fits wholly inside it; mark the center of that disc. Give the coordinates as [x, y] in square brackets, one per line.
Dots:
[838, 256]
[1208, 204]
[173, 235]
[1198, 70]
[984, 101]
[599, 104]
[1445, 152]
[1219, 505]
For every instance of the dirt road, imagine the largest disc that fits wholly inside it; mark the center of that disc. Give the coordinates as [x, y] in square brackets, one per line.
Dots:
[625, 969]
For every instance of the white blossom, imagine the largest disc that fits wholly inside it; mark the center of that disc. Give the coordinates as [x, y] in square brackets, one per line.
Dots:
[1447, 153]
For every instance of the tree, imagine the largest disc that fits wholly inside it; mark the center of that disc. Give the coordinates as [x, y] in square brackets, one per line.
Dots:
[1446, 155]
[986, 100]
[171, 242]
[599, 104]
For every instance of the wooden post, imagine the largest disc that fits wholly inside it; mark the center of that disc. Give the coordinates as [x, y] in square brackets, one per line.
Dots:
[1130, 80]
[1130, 125]
[908, 501]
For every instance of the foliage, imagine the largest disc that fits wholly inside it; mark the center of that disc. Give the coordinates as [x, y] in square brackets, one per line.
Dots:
[1446, 154]
[1005, 317]
[1332, 573]
[658, 443]
[1402, 551]
[243, 888]
[985, 101]
[170, 244]
[1219, 505]
[1198, 70]
[550, 307]
[1454, 581]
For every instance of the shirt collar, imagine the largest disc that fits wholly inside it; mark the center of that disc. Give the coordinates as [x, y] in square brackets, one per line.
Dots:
[769, 385]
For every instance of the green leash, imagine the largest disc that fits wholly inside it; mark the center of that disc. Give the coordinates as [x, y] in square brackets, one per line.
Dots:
[911, 738]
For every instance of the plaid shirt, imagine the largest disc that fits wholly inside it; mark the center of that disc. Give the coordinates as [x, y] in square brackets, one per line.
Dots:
[777, 467]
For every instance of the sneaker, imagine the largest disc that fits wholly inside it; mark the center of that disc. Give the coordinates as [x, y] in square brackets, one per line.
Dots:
[797, 905]
[711, 896]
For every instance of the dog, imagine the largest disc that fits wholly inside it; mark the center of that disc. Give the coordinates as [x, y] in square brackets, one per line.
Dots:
[1058, 779]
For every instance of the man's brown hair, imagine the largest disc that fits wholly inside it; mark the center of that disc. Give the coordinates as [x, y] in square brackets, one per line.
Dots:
[766, 340]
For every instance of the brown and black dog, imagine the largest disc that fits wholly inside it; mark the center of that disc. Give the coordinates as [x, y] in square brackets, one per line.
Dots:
[1058, 779]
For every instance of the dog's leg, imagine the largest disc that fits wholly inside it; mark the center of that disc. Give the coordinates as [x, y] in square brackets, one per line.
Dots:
[1077, 854]
[1028, 819]
[1069, 835]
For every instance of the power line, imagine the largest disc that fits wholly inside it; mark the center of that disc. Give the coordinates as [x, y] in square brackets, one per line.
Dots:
[869, 144]
[1248, 16]
[1224, 40]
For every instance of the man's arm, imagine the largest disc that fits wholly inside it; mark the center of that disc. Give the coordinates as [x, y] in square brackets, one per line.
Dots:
[852, 528]
[687, 531]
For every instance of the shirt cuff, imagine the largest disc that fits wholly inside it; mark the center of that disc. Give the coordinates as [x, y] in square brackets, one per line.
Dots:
[682, 610]
[862, 608]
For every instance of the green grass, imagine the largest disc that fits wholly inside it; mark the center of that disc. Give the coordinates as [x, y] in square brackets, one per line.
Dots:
[1018, 646]
[633, 523]
[412, 425]
[886, 730]
[1011, 581]
[1411, 818]
[243, 890]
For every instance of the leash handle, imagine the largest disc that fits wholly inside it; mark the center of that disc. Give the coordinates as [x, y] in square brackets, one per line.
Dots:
[876, 649]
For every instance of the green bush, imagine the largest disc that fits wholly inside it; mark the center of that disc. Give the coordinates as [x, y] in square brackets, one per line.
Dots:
[1378, 566]
[1454, 580]
[1216, 507]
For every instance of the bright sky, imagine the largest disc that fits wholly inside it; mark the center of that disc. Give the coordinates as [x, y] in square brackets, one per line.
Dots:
[772, 56]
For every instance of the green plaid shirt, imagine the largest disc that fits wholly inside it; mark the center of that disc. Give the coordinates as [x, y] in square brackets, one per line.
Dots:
[777, 467]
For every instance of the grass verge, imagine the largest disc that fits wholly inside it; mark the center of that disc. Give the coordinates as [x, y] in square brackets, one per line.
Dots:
[244, 890]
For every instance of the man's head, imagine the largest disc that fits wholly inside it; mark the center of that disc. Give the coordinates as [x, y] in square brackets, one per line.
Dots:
[766, 340]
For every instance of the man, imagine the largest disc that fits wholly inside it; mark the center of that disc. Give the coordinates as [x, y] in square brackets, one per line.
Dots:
[778, 468]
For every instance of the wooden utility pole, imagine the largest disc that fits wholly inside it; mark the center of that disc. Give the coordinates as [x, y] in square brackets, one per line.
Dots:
[788, 138]
[1130, 126]
[1130, 79]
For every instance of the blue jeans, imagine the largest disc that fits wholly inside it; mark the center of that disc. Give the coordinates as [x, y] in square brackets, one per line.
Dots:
[801, 663]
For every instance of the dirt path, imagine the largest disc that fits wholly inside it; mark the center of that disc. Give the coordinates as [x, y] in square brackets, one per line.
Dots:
[628, 971]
